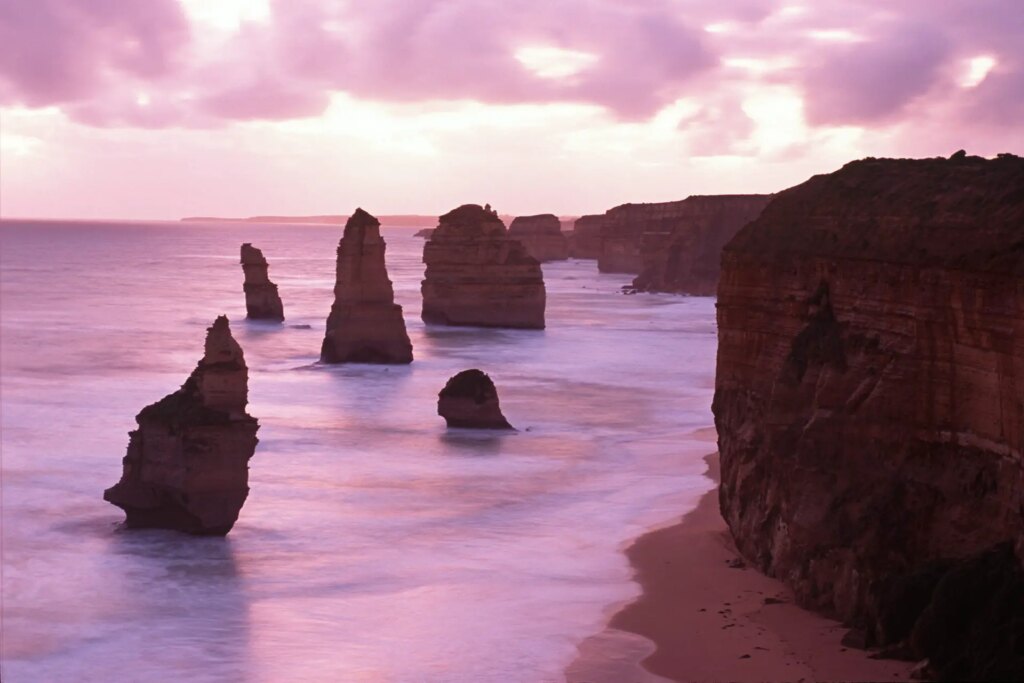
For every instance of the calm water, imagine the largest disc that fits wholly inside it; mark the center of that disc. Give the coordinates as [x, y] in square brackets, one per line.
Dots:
[375, 545]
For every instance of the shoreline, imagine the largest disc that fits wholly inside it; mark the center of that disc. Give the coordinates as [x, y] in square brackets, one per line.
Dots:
[706, 616]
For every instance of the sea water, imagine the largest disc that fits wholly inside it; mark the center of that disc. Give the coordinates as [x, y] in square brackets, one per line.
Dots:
[375, 545]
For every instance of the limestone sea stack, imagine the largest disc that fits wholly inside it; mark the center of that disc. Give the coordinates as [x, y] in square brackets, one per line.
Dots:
[470, 400]
[685, 258]
[586, 237]
[869, 402]
[365, 324]
[541, 235]
[477, 275]
[187, 466]
[262, 301]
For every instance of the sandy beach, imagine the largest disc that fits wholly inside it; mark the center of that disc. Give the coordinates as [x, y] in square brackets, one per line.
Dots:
[711, 618]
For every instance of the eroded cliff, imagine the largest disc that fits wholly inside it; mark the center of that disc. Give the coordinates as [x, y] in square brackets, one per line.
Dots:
[870, 403]
[686, 259]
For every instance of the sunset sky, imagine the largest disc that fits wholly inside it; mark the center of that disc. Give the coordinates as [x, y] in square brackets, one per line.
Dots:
[161, 108]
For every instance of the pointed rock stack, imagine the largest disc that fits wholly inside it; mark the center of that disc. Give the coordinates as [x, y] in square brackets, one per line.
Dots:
[542, 236]
[477, 275]
[365, 324]
[262, 301]
[187, 466]
[470, 400]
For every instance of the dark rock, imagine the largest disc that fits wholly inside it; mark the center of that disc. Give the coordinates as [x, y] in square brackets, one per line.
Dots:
[262, 301]
[470, 400]
[187, 463]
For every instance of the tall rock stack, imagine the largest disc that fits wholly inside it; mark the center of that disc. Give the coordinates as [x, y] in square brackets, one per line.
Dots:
[870, 403]
[477, 275]
[262, 301]
[187, 466]
[686, 260]
[365, 324]
[585, 242]
[541, 235]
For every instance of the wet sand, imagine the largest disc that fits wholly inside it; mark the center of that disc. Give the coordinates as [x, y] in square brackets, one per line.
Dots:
[712, 619]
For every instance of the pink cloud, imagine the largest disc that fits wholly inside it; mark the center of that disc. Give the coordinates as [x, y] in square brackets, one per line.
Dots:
[139, 64]
[59, 51]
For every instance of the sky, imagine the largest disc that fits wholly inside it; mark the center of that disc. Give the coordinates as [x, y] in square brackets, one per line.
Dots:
[158, 109]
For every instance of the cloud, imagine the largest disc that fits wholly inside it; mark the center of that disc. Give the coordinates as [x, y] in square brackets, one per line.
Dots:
[855, 63]
[59, 51]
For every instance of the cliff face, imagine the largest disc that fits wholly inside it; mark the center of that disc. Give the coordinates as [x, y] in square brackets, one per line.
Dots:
[585, 241]
[262, 301]
[365, 324]
[187, 463]
[541, 235]
[870, 402]
[623, 232]
[687, 259]
[477, 275]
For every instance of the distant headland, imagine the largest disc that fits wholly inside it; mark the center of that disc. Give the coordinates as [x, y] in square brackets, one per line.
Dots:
[404, 219]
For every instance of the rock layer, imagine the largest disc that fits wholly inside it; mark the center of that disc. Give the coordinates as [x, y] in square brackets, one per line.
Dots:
[262, 301]
[470, 400]
[477, 275]
[869, 403]
[541, 235]
[585, 240]
[686, 259]
[623, 233]
[365, 324]
[187, 463]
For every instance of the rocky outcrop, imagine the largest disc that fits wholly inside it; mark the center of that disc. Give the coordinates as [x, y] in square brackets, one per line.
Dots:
[477, 275]
[187, 466]
[470, 400]
[541, 235]
[585, 241]
[869, 403]
[262, 301]
[686, 259]
[425, 232]
[623, 233]
[365, 324]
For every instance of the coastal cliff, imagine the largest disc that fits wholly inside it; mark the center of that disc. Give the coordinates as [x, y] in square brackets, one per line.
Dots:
[870, 403]
[686, 259]
[187, 466]
[624, 228]
[365, 324]
[477, 275]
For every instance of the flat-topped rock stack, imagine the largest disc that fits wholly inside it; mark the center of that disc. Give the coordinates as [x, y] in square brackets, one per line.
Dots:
[869, 402]
[477, 275]
[187, 466]
[541, 235]
[687, 259]
[262, 301]
[365, 324]
[585, 239]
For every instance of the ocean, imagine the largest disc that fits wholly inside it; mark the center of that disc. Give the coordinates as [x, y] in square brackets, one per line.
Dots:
[375, 545]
